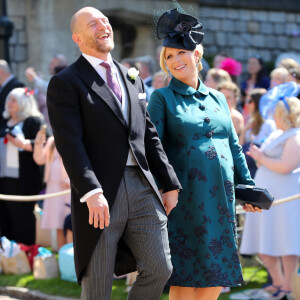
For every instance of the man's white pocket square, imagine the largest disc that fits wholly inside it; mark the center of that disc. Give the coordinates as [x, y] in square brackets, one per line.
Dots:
[142, 96]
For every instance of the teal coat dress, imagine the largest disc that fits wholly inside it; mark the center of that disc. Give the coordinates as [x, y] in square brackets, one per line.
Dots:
[202, 146]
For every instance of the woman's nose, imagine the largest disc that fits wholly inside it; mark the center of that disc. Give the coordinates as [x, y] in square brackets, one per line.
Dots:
[177, 58]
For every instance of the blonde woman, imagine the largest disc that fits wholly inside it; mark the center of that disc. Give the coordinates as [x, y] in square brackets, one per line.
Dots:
[194, 125]
[294, 75]
[232, 94]
[278, 76]
[215, 77]
[274, 234]
[159, 80]
[288, 63]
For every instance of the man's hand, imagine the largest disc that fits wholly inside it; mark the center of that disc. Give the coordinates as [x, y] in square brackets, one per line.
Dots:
[170, 200]
[98, 211]
[30, 74]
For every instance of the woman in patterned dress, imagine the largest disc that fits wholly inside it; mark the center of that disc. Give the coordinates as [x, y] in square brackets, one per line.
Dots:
[194, 124]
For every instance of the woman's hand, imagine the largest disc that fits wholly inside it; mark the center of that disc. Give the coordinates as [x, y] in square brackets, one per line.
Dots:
[65, 184]
[19, 142]
[40, 138]
[250, 208]
[256, 153]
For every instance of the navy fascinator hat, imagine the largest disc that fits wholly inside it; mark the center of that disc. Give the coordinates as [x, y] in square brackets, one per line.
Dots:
[179, 30]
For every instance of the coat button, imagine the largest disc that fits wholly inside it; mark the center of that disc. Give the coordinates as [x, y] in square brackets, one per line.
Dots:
[209, 134]
[202, 107]
[207, 120]
[198, 94]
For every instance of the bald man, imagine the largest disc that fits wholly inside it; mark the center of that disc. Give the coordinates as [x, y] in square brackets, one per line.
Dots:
[110, 150]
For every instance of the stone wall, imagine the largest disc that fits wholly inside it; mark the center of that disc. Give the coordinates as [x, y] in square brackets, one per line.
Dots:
[242, 32]
[18, 41]
[42, 28]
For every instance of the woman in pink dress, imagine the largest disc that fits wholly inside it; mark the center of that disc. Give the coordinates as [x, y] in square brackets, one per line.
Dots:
[56, 179]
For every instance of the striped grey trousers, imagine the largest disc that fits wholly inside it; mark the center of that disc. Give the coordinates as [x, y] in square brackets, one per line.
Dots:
[137, 216]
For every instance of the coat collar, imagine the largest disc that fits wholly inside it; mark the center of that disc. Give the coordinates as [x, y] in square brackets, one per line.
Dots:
[184, 89]
[98, 85]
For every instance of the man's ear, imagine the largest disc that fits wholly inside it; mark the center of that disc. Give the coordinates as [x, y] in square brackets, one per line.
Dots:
[76, 38]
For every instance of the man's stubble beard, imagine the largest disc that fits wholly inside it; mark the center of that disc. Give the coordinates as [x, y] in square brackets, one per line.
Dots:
[106, 48]
[100, 47]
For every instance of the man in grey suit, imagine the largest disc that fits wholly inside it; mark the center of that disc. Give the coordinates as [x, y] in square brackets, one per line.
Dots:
[110, 150]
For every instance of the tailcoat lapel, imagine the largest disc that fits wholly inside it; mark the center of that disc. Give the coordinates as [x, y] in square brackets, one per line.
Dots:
[132, 93]
[98, 85]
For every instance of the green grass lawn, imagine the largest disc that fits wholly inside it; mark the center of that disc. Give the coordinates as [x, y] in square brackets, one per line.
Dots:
[56, 286]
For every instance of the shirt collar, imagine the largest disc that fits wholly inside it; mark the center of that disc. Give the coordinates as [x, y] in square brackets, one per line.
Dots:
[9, 78]
[95, 61]
[184, 89]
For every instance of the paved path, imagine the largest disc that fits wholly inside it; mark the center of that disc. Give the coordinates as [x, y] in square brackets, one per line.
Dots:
[2, 297]
[15, 293]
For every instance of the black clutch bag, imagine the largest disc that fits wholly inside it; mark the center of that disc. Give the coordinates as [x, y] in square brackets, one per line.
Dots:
[254, 195]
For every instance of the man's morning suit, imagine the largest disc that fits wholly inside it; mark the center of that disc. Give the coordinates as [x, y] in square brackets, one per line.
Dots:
[94, 139]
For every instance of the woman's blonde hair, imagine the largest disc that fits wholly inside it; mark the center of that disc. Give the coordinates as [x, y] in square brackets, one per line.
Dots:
[162, 60]
[219, 75]
[160, 73]
[26, 104]
[288, 63]
[231, 86]
[282, 72]
[290, 118]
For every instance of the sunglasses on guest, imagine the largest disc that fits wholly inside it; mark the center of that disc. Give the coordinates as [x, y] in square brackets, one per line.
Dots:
[249, 101]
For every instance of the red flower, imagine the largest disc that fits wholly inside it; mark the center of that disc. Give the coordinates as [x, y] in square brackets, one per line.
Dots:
[28, 92]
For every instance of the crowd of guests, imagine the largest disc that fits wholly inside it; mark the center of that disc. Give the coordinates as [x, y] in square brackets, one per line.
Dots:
[277, 242]
[29, 160]
[183, 113]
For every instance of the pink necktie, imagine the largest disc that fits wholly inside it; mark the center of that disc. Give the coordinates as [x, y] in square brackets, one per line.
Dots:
[112, 81]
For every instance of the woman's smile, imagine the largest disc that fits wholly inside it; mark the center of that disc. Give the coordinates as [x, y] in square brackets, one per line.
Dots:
[183, 65]
[180, 67]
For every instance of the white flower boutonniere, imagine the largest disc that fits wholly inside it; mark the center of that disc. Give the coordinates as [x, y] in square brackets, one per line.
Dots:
[133, 73]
